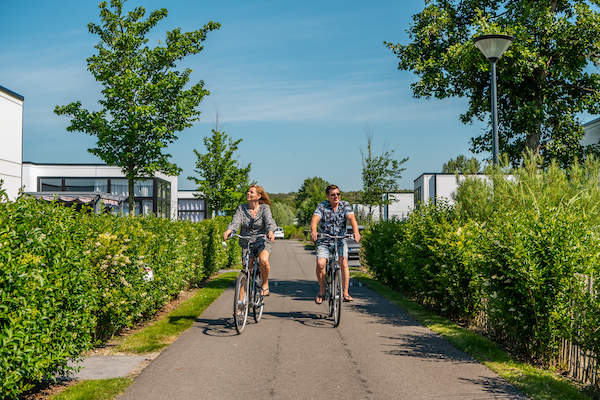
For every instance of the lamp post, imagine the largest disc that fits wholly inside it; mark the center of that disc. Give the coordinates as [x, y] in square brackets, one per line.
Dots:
[492, 47]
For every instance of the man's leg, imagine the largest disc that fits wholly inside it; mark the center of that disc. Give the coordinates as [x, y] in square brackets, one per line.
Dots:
[321, 277]
[345, 277]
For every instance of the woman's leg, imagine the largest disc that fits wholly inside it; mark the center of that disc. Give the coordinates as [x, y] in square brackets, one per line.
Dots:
[265, 268]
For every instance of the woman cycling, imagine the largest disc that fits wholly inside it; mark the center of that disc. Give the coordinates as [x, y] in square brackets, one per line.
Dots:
[255, 218]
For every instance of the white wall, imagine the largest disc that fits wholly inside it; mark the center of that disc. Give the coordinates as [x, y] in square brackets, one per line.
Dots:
[32, 171]
[401, 204]
[591, 133]
[11, 141]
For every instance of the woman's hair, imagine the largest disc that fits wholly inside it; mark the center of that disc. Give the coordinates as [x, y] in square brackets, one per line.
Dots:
[264, 197]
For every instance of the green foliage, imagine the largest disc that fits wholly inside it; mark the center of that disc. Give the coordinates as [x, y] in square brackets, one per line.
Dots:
[283, 214]
[144, 103]
[295, 232]
[516, 247]
[380, 173]
[544, 79]
[462, 165]
[288, 199]
[70, 280]
[310, 193]
[220, 180]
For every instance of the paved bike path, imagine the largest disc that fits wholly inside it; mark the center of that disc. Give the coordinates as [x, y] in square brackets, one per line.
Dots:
[377, 352]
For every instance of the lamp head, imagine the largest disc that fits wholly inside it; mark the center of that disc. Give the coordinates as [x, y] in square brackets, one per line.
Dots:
[493, 46]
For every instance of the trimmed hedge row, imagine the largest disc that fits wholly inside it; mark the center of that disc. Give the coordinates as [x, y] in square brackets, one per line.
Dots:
[71, 280]
[514, 254]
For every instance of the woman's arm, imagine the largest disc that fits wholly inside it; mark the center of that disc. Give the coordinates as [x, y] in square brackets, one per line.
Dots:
[269, 222]
[235, 223]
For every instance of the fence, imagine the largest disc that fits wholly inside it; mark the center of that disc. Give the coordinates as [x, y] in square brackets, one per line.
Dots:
[579, 364]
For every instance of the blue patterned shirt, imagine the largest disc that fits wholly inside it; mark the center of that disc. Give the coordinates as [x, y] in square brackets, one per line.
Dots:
[333, 222]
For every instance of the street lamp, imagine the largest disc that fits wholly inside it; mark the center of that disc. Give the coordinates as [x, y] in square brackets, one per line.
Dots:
[492, 47]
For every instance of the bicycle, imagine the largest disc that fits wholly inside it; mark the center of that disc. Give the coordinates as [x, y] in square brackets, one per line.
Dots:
[333, 277]
[246, 288]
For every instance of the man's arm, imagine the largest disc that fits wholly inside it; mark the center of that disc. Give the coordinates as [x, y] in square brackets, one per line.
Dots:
[354, 224]
[314, 222]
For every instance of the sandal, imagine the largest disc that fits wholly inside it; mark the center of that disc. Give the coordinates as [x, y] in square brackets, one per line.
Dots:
[319, 298]
[265, 292]
[348, 299]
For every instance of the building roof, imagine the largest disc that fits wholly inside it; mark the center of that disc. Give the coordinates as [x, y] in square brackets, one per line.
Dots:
[11, 93]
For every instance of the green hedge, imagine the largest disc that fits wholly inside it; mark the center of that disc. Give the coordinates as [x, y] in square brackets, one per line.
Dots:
[71, 280]
[515, 253]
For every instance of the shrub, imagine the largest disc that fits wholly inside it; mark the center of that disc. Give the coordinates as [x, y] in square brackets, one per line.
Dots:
[69, 280]
[515, 248]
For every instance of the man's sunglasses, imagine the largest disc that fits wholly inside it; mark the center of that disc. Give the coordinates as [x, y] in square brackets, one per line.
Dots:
[335, 194]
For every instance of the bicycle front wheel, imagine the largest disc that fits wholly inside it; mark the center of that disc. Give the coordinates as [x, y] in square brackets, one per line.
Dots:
[337, 297]
[240, 302]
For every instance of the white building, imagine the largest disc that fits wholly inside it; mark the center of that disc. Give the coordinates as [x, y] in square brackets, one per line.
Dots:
[11, 139]
[156, 195]
[190, 206]
[401, 204]
[438, 186]
[591, 132]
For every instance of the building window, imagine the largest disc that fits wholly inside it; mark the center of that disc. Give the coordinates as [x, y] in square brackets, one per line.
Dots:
[191, 209]
[417, 197]
[50, 185]
[86, 185]
[119, 186]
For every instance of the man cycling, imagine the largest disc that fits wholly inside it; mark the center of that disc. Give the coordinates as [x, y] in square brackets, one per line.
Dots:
[331, 216]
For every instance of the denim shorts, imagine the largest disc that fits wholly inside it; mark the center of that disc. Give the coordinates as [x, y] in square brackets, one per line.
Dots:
[256, 248]
[324, 250]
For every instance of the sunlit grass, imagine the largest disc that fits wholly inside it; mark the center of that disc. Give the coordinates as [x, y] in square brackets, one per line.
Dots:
[534, 382]
[102, 389]
[166, 329]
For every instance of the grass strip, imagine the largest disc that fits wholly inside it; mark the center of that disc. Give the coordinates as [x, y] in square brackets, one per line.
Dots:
[534, 382]
[166, 329]
[152, 338]
[101, 389]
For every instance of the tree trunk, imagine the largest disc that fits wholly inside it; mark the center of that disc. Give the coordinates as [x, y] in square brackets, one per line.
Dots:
[130, 183]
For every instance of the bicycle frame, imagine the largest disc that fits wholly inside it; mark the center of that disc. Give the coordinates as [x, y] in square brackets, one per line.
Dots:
[252, 294]
[333, 277]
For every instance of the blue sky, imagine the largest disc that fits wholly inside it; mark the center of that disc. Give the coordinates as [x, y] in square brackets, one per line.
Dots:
[300, 82]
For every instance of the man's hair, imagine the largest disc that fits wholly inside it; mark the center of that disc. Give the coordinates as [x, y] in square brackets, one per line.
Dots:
[330, 188]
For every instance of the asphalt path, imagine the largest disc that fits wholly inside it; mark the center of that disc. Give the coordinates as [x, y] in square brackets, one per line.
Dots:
[294, 352]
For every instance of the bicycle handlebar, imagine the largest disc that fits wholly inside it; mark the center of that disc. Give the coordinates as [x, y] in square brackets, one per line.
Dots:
[232, 235]
[347, 236]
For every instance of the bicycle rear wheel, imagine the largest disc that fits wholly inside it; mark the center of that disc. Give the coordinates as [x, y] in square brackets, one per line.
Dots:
[337, 297]
[259, 301]
[330, 289]
[240, 302]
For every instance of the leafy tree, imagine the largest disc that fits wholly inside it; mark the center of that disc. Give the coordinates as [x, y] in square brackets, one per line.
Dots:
[310, 193]
[380, 173]
[544, 77]
[144, 103]
[462, 165]
[283, 214]
[220, 180]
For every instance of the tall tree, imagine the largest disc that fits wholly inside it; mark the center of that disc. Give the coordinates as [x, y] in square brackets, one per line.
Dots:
[544, 79]
[310, 193]
[143, 103]
[380, 173]
[283, 214]
[461, 165]
[222, 182]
